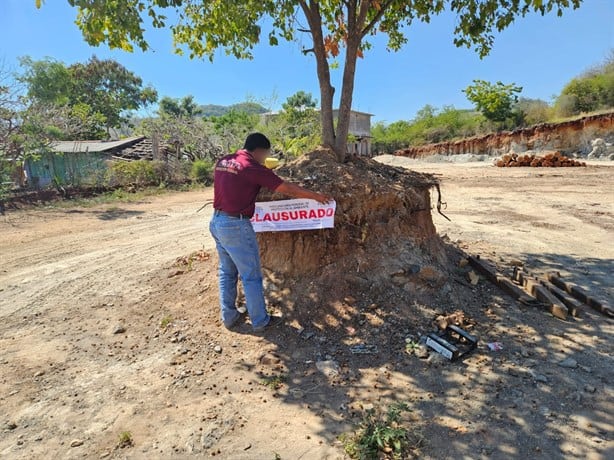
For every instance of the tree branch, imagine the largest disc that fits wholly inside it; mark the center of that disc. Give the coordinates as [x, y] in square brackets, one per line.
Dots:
[376, 19]
[351, 6]
[362, 13]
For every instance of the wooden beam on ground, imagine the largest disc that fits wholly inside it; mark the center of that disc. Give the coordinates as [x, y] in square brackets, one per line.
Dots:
[503, 282]
[578, 293]
[573, 305]
[534, 287]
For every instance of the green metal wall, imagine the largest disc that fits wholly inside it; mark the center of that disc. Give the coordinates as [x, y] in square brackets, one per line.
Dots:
[67, 169]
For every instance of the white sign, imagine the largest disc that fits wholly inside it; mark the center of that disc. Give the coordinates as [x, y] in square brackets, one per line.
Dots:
[289, 215]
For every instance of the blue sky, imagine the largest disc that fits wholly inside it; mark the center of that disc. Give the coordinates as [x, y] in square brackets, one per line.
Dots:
[539, 53]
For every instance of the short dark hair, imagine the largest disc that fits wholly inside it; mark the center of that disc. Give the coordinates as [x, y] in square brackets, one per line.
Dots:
[256, 141]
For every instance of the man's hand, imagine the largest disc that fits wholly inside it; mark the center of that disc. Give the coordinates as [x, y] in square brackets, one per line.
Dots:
[296, 191]
[320, 198]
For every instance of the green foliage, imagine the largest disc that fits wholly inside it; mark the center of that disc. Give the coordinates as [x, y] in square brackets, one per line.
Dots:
[202, 171]
[377, 436]
[300, 101]
[213, 110]
[185, 107]
[125, 439]
[5, 178]
[99, 90]
[190, 137]
[166, 321]
[109, 88]
[48, 80]
[430, 125]
[589, 92]
[494, 101]
[274, 382]
[233, 127]
[138, 173]
[204, 27]
[532, 111]
[296, 129]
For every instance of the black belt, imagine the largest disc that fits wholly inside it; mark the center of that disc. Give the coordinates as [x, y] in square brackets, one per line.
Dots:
[219, 212]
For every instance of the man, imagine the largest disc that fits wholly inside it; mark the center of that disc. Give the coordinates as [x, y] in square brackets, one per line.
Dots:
[237, 181]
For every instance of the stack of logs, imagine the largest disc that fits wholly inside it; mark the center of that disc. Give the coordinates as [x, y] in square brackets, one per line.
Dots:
[550, 160]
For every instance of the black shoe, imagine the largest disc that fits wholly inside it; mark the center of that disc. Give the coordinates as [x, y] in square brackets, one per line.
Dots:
[273, 322]
[233, 325]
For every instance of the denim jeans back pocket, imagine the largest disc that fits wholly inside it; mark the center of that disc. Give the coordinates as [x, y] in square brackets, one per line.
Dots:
[228, 232]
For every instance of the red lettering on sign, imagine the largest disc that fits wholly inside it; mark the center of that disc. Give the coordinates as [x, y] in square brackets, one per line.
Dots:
[321, 212]
[302, 214]
[330, 212]
[312, 214]
[284, 215]
[293, 215]
[266, 217]
[276, 216]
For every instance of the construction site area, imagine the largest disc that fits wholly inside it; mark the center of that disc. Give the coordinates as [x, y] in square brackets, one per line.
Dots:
[110, 321]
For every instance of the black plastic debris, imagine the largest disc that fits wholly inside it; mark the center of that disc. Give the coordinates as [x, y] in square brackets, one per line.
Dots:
[452, 343]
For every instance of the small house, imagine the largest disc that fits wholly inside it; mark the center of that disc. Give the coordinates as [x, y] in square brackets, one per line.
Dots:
[359, 141]
[83, 162]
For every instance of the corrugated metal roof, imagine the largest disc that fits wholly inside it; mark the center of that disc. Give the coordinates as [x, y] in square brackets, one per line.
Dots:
[92, 146]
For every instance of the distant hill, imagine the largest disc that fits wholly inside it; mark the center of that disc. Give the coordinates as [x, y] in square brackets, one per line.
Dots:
[213, 110]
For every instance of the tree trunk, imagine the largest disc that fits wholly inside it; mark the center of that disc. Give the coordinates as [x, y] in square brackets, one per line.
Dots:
[345, 105]
[356, 18]
[312, 13]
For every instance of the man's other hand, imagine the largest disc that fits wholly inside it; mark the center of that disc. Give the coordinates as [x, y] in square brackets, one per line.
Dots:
[296, 191]
[320, 198]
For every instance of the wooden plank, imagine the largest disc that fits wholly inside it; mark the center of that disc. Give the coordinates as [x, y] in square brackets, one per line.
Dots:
[599, 305]
[534, 287]
[553, 305]
[483, 267]
[573, 305]
[503, 282]
[516, 291]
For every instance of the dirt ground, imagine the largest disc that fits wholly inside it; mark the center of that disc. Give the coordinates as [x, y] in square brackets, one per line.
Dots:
[102, 333]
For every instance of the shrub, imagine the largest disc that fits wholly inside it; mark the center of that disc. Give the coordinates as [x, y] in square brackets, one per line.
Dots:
[429, 125]
[381, 437]
[532, 111]
[594, 90]
[202, 171]
[139, 173]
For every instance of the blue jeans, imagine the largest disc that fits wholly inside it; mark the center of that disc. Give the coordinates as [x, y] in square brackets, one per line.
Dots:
[238, 253]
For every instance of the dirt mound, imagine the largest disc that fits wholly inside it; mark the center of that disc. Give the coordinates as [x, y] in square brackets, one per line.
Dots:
[384, 244]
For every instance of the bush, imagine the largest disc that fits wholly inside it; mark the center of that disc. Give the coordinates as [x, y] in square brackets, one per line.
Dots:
[139, 173]
[430, 125]
[532, 112]
[594, 90]
[381, 436]
[494, 100]
[202, 171]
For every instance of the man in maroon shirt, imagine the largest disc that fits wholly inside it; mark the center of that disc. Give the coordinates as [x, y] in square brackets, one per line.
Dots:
[237, 181]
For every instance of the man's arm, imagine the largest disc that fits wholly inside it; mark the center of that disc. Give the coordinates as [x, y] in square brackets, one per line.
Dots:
[296, 191]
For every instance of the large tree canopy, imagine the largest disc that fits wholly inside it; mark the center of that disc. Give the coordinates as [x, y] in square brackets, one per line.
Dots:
[102, 88]
[185, 107]
[202, 27]
[494, 100]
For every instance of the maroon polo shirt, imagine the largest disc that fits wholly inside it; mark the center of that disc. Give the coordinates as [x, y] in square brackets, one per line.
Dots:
[237, 181]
